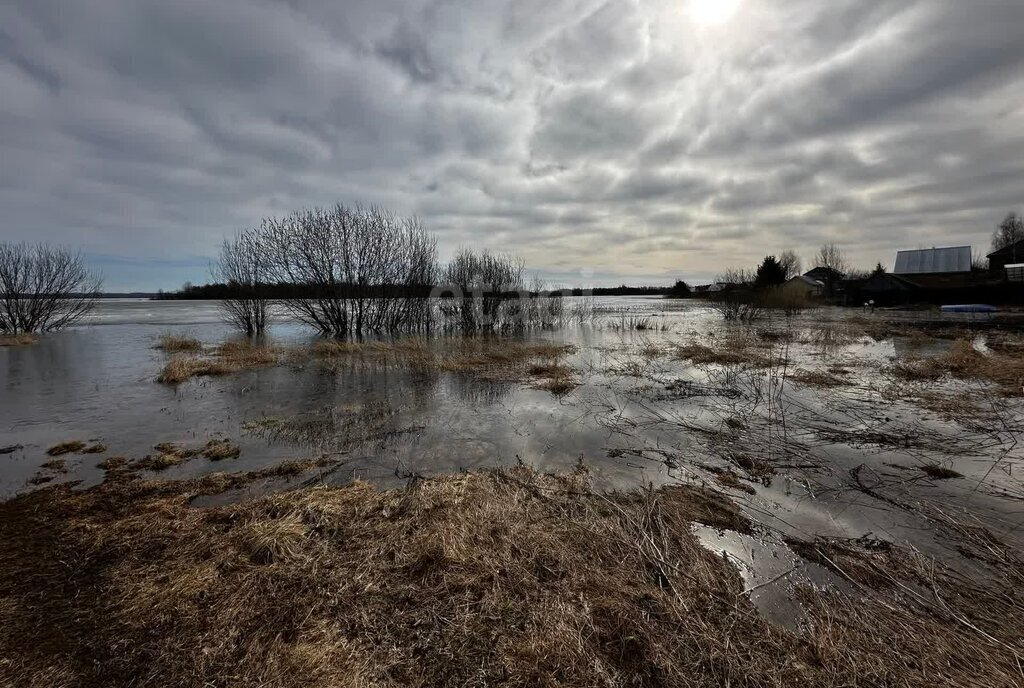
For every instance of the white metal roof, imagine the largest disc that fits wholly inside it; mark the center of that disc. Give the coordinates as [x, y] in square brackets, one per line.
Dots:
[931, 260]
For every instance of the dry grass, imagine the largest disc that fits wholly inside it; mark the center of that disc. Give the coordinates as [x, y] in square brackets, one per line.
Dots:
[176, 343]
[185, 367]
[70, 447]
[55, 465]
[963, 361]
[485, 357]
[940, 472]
[20, 339]
[113, 463]
[505, 578]
[554, 377]
[816, 378]
[218, 450]
[244, 354]
[170, 454]
[700, 354]
[157, 462]
[227, 358]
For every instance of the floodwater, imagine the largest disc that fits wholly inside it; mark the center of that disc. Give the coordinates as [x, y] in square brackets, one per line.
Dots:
[803, 461]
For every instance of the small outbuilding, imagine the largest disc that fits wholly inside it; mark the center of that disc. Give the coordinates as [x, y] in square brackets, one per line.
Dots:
[804, 287]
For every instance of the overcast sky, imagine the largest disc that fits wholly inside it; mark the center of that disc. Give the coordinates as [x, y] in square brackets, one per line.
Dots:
[601, 141]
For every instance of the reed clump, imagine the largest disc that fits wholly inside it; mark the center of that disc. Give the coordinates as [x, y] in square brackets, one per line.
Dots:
[226, 358]
[185, 367]
[178, 343]
[69, 447]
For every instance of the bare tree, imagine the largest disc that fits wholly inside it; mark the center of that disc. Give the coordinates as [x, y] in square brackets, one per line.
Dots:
[353, 270]
[735, 276]
[243, 266]
[790, 263]
[43, 288]
[831, 256]
[484, 284]
[1008, 232]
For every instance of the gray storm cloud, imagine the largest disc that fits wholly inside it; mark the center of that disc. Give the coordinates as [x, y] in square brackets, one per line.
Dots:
[616, 137]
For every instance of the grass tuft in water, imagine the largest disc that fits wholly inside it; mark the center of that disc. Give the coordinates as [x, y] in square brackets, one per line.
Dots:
[70, 447]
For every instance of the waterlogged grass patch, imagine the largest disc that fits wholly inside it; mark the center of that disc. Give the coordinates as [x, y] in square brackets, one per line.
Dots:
[185, 367]
[963, 361]
[700, 354]
[177, 343]
[20, 339]
[499, 578]
[817, 378]
[226, 358]
[169, 454]
[70, 447]
[940, 472]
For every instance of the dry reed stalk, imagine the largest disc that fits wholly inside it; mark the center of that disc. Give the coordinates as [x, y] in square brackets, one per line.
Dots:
[510, 578]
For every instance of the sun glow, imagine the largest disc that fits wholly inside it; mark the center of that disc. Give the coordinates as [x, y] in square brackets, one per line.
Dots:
[713, 12]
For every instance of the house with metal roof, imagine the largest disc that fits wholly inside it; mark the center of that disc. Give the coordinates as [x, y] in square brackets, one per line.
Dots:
[933, 261]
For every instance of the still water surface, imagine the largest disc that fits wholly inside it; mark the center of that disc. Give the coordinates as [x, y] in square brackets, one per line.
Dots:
[639, 416]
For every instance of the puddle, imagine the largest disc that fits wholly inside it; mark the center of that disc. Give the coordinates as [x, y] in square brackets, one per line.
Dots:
[770, 572]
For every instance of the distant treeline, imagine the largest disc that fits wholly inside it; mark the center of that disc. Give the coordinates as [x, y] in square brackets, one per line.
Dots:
[283, 291]
[221, 291]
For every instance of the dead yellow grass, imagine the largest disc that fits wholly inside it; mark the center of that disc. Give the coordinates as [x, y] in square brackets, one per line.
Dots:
[176, 343]
[70, 447]
[184, 367]
[485, 357]
[227, 358]
[965, 362]
[169, 454]
[20, 339]
[55, 465]
[505, 578]
[817, 378]
[722, 354]
[244, 354]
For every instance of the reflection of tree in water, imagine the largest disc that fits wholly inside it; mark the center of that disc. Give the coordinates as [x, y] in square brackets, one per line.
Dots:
[479, 392]
[337, 429]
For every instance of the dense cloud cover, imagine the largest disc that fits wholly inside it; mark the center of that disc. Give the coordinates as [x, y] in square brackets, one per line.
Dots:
[619, 138]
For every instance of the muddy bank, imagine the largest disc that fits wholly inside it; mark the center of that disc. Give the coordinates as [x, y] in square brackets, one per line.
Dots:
[504, 577]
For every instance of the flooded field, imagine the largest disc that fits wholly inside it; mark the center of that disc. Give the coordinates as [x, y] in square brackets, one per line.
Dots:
[835, 426]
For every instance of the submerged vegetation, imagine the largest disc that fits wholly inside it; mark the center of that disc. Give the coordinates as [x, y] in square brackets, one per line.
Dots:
[964, 361]
[509, 577]
[20, 339]
[486, 357]
[176, 343]
[225, 359]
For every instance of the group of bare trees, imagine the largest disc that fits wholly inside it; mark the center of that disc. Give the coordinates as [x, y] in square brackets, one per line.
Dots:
[43, 288]
[355, 270]
[479, 288]
[352, 269]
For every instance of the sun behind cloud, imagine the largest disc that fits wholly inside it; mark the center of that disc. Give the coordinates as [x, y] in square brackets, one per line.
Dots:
[713, 12]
